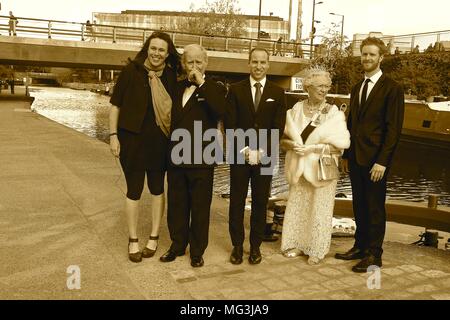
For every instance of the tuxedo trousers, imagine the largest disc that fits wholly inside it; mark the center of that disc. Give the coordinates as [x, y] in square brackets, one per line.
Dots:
[368, 208]
[189, 202]
[240, 175]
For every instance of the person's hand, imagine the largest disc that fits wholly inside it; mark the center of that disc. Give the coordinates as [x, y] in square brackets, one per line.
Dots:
[114, 145]
[344, 166]
[377, 172]
[303, 150]
[196, 77]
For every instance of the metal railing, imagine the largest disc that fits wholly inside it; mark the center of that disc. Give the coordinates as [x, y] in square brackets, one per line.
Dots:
[101, 33]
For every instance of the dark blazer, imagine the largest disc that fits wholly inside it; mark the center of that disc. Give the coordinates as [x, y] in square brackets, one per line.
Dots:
[132, 94]
[271, 113]
[207, 104]
[375, 128]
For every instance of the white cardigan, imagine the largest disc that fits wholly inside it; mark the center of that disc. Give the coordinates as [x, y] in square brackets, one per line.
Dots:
[332, 130]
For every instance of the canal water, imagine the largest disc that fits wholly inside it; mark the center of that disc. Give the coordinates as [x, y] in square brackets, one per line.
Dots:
[417, 172]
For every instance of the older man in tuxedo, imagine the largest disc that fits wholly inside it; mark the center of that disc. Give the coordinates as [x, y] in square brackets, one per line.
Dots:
[254, 104]
[375, 122]
[198, 105]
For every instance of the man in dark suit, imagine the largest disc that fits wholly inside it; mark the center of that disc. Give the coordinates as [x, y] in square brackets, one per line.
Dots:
[375, 123]
[254, 104]
[197, 107]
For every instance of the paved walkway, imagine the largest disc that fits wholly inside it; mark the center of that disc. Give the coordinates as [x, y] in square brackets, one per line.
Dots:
[61, 205]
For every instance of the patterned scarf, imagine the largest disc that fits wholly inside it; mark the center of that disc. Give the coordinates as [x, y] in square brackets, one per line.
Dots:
[162, 103]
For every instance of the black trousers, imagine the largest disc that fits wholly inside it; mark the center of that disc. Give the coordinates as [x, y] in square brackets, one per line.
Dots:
[189, 201]
[260, 186]
[369, 209]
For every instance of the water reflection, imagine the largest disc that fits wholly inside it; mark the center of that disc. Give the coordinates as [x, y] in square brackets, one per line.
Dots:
[418, 170]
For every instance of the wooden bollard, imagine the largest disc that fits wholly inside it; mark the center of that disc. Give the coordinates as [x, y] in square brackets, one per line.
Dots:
[433, 201]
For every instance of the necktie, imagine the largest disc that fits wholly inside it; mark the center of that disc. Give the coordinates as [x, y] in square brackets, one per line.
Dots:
[364, 92]
[257, 94]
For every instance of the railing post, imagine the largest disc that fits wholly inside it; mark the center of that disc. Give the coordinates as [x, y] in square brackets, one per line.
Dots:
[173, 39]
[201, 41]
[250, 46]
[49, 29]
[83, 28]
[144, 36]
[114, 35]
[226, 44]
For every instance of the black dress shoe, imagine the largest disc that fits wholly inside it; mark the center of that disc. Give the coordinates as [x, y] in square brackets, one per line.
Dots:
[136, 256]
[197, 261]
[364, 264]
[170, 256]
[353, 254]
[255, 256]
[236, 255]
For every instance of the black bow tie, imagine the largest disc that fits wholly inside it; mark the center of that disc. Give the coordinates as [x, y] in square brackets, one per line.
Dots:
[188, 84]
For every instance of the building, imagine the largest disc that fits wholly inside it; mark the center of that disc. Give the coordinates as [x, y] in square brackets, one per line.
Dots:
[391, 42]
[272, 27]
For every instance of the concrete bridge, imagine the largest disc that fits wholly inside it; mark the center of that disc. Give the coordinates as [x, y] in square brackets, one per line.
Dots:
[78, 54]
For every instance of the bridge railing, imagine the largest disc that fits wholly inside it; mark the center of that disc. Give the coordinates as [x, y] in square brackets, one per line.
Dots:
[65, 30]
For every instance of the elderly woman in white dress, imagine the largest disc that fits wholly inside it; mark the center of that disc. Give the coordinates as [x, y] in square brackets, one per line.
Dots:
[312, 126]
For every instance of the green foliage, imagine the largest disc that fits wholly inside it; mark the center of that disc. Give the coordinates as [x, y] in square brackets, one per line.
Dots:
[423, 74]
[222, 17]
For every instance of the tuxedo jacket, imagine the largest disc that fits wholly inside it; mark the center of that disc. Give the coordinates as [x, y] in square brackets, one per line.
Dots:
[271, 112]
[376, 126]
[207, 105]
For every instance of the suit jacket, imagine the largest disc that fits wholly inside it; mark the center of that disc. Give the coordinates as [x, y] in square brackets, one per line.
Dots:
[133, 96]
[207, 104]
[376, 126]
[241, 114]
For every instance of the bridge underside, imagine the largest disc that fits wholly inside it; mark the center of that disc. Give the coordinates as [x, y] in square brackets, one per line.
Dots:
[77, 54]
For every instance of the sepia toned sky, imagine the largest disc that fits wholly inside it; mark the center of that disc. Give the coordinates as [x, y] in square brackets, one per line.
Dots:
[392, 17]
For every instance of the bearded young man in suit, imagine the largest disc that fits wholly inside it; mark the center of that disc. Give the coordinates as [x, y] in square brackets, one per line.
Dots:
[375, 123]
[198, 101]
[256, 104]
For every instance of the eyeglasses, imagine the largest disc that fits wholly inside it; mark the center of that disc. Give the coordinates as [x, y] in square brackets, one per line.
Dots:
[322, 86]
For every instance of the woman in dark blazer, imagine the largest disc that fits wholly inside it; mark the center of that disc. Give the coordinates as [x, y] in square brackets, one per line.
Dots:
[139, 126]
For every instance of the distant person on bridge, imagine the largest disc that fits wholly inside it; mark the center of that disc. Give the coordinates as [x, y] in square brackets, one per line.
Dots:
[278, 46]
[12, 24]
[375, 124]
[139, 128]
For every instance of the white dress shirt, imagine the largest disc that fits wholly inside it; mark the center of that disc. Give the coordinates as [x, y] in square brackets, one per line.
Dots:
[188, 92]
[252, 86]
[371, 84]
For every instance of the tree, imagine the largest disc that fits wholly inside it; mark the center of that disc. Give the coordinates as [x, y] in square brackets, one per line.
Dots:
[221, 17]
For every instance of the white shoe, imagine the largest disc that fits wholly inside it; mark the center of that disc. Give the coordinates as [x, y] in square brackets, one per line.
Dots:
[313, 261]
[292, 253]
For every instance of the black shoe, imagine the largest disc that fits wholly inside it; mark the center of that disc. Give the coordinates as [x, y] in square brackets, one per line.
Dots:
[255, 256]
[136, 256]
[197, 261]
[148, 253]
[268, 234]
[170, 256]
[364, 264]
[352, 254]
[236, 255]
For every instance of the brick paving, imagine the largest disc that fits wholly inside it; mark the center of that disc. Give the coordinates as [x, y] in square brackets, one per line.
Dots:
[61, 204]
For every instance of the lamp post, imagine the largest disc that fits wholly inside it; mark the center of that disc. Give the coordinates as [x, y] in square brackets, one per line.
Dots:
[342, 27]
[259, 19]
[313, 31]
